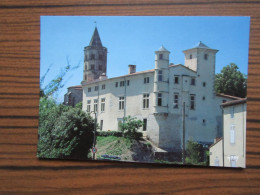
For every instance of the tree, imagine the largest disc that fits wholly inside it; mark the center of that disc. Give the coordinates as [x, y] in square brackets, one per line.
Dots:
[64, 132]
[194, 152]
[231, 81]
[130, 126]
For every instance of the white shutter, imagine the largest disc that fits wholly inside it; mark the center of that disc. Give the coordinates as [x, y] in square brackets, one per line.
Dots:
[232, 134]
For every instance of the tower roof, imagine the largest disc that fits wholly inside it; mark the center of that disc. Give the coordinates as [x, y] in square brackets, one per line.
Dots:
[162, 48]
[95, 40]
[201, 45]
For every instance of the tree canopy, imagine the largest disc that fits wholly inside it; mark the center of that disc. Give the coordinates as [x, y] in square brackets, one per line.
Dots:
[231, 81]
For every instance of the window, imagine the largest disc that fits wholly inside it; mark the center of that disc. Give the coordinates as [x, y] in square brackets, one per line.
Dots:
[190, 56]
[146, 80]
[100, 57]
[92, 67]
[159, 99]
[216, 162]
[103, 86]
[232, 111]
[205, 56]
[116, 84]
[92, 57]
[160, 56]
[122, 83]
[145, 100]
[128, 82]
[88, 105]
[204, 122]
[203, 98]
[121, 103]
[176, 101]
[89, 89]
[144, 124]
[204, 84]
[95, 105]
[192, 81]
[232, 134]
[101, 125]
[176, 80]
[96, 88]
[192, 102]
[99, 67]
[103, 104]
[160, 78]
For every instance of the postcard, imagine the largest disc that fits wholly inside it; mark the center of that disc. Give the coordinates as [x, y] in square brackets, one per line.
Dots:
[150, 89]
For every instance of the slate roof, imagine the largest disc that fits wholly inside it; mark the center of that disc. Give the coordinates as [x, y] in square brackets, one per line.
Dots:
[201, 45]
[95, 40]
[162, 48]
[235, 102]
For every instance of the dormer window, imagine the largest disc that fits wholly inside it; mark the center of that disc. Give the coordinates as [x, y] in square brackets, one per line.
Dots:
[190, 56]
[160, 56]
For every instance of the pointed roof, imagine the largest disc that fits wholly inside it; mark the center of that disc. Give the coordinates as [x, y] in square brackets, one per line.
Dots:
[162, 48]
[201, 45]
[95, 40]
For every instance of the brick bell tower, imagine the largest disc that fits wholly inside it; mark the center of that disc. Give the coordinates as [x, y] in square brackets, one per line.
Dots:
[95, 59]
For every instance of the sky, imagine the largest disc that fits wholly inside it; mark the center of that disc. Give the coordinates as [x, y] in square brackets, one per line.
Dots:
[133, 40]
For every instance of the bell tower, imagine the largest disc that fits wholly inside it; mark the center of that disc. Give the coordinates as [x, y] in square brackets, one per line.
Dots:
[95, 59]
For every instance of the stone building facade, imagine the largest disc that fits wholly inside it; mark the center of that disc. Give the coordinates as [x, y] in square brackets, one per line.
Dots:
[73, 96]
[234, 137]
[173, 101]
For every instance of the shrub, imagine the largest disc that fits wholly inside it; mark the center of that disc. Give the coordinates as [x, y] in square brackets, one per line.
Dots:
[110, 133]
[194, 153]
[64, 132]
[130, 126]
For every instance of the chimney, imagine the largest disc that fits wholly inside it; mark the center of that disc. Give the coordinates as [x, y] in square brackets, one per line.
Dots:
[103, 76]
[131, 69]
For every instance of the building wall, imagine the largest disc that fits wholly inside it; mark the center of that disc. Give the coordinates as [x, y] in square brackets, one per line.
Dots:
[216, 154]
[73, 96]
[238, 148]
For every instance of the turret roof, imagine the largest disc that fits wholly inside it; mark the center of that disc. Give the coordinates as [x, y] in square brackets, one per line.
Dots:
[162, 48]
[95, 40]
[201, 45]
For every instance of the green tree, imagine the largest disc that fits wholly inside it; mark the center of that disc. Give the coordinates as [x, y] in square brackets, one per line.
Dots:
[130, 126]
[64, 132]
[231, 81]
[194, 152]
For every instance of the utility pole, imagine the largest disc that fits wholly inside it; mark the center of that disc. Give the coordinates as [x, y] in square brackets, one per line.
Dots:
[183, 133]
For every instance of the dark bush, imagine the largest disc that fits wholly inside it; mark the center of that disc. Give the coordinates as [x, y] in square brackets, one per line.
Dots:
[110, 133]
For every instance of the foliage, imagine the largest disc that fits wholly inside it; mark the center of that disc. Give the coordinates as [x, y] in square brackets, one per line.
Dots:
[79, 105]
[231, 81]
[194, 153]
[130, 126]
[64, 132]
[56, 83]
[110, 133]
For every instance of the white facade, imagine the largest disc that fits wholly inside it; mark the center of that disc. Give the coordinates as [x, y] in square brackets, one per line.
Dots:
[234, 116]
[166, 87]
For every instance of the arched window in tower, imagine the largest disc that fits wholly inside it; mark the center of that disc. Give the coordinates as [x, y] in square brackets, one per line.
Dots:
[92, 57]
[99, 67]
[100, 56]
[205, 56]
[190, 56]
[92, 67]
[160, 56]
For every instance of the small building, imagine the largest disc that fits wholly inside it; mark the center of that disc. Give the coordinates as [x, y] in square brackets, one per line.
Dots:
[73, 96]
[234, 137]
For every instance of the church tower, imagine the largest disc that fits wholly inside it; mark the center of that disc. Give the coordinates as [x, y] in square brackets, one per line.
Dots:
[95, 59]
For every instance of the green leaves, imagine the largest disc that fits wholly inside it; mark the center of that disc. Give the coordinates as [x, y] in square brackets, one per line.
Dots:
[130, 126]
[64, 132]
[231, 81]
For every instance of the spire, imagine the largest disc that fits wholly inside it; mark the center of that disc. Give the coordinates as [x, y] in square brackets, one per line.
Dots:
[95, 40]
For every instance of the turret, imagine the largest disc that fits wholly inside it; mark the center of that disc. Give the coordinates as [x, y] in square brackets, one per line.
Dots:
[95, 60]
[161, 80]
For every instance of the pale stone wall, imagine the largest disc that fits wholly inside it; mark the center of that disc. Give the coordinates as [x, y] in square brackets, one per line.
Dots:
[216, 155]
[236, 150]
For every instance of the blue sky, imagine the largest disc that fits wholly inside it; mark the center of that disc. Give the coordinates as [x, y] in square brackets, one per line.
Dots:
[133, 40]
